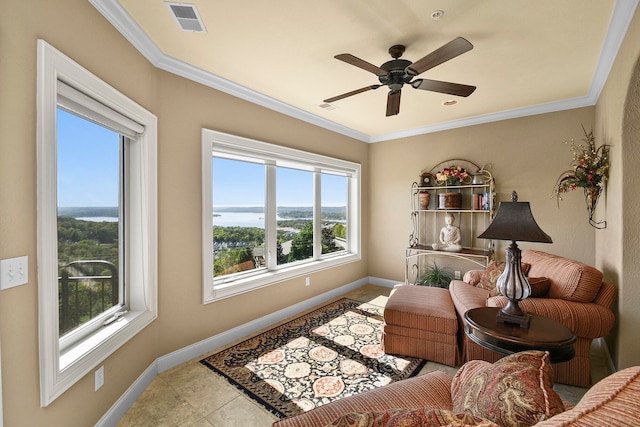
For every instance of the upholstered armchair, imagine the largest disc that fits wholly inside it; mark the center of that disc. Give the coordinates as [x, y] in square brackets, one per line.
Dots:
[576, 297]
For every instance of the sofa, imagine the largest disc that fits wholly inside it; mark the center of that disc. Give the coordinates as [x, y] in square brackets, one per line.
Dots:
[570, 292]
[516, 390]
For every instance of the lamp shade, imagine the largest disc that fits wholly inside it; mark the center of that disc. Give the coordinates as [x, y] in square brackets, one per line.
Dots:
[514, 221]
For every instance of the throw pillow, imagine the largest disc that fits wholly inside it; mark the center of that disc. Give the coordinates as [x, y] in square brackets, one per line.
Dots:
[539, 287]
[410, 418]
[517, 390]
[490, 276]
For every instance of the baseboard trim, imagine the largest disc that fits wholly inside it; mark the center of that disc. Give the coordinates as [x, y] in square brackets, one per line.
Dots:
[383, 282]
[125, 401]
[166, 362]
[602, 343]
[198, 349]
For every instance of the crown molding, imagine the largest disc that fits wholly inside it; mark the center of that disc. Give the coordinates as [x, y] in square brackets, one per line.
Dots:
[209, 79]
[566, 104]
[623, 12]
[620, 19]
[122, 21]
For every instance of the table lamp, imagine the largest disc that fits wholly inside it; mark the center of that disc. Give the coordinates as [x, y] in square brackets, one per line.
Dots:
[514, 221]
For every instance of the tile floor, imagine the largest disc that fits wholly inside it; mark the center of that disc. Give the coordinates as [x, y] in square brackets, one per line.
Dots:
[191, 395]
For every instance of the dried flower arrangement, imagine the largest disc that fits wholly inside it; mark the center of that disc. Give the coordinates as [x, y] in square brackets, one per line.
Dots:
[589, 170]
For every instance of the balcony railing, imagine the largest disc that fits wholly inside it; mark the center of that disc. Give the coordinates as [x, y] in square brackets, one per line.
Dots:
[86, 289]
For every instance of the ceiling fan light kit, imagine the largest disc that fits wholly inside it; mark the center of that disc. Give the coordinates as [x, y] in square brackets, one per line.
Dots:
[398, 72]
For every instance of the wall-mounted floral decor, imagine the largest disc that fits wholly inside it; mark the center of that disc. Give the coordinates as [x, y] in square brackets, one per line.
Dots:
[589, 171]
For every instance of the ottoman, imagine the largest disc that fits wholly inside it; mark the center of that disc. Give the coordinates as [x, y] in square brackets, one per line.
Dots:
[420, 321]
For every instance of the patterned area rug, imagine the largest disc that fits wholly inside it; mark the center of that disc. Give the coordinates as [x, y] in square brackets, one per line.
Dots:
[330, 353]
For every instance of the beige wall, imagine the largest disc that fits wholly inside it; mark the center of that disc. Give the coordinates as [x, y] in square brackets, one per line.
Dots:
[618, 124]
[526, 155]
[94, 44]
[182, 314]
[183, 108]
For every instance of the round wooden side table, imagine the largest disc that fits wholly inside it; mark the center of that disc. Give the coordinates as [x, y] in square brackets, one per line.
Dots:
[543, 334]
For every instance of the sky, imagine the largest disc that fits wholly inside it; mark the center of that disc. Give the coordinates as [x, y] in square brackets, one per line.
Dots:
[87, 163]
[237, 183]
[88, 173]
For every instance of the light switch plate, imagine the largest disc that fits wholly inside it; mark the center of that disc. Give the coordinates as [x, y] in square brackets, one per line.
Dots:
[14, 272]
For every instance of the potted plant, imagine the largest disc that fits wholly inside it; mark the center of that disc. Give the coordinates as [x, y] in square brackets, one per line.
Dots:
[435, 276]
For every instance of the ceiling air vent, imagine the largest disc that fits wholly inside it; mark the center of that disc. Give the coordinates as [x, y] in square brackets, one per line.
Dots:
[187, 17]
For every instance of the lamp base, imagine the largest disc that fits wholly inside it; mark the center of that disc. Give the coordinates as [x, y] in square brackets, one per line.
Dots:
[523, 320]
[513, 285]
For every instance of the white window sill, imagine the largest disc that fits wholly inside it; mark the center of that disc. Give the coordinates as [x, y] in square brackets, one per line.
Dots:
[79, 359]
[225, 289]
[86, 345]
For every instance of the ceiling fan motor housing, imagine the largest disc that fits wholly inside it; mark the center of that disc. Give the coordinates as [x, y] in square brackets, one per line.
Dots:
[396, 76]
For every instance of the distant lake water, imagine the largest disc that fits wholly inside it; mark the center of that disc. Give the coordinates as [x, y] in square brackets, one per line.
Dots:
[247, 219]
[226, 219]
[239, 219]
[98, 219]
[220, 219]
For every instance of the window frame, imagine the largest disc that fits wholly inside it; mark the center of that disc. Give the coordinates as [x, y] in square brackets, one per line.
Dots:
[239, 147]
[83, 331]
[59, 372]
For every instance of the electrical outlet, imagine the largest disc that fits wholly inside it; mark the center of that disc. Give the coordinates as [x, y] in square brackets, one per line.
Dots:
[99, 376]
[456, 275]
[307, 281]
[14, 272]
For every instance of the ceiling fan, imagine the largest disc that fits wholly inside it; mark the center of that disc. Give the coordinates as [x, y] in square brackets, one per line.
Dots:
[396, 72]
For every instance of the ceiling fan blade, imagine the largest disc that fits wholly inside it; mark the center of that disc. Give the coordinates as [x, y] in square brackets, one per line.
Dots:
[353, 92]
[361, 63]
[443, 87]
[393, 103]
[455, 47]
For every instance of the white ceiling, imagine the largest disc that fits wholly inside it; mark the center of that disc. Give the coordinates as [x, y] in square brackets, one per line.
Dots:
[529, 57]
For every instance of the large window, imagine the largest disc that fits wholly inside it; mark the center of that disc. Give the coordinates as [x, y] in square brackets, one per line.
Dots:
[272, 213]
[97, 256]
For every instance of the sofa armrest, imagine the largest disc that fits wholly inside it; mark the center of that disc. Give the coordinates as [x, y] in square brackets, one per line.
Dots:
[472, 276]
[431, 390]
[466, 296]
[607, 295]
[586, 320]
[612, 401]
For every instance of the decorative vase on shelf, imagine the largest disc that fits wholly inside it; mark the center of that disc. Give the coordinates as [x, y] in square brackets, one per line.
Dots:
[479, 178]
[424, 197]
[450, 200]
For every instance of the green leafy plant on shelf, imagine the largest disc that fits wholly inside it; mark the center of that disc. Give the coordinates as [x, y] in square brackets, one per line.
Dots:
[435, 276]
